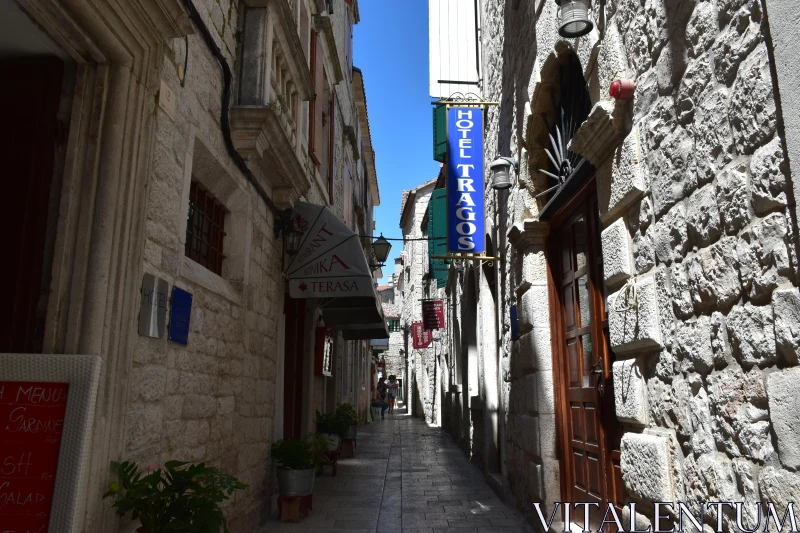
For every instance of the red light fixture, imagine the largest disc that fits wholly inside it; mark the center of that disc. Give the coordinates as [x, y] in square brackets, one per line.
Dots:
[622, 89]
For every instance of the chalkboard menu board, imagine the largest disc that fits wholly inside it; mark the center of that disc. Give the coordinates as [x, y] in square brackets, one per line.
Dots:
[31, 426]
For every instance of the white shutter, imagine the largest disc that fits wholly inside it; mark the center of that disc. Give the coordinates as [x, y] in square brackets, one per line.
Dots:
[453, 51]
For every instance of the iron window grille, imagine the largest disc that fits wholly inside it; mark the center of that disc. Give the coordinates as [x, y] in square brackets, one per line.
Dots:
[572, 105]
[205, 229]
[394, 326]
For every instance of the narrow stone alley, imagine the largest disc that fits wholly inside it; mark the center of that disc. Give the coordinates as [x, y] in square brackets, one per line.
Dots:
[407, 477]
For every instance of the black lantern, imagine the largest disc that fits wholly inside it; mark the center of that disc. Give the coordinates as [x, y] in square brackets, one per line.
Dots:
[574, 18]
[501, 172]
[292, 235]
[381, 248]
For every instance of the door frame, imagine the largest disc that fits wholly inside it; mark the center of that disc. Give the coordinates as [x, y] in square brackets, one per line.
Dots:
[607, 415]
[118, 49]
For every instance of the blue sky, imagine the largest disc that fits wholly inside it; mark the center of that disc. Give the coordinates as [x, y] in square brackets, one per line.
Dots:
[391, 49]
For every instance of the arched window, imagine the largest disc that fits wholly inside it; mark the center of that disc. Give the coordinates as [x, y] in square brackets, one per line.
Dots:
[571, 106]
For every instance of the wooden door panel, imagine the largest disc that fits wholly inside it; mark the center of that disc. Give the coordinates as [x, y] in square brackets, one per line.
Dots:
[591, 417]
[573, 362]
[593, 467]
[589, 427]
[577, 421]
[579, 458]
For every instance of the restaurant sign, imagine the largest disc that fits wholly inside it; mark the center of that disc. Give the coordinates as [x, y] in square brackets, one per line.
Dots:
[433, 314]
[422, 337]
[330, 260]
[465, 225]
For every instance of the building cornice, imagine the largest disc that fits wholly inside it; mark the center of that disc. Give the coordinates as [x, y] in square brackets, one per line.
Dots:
[324, 25]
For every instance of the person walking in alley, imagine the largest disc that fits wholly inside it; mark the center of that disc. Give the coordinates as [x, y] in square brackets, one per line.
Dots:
[381, 393]
[393, 386]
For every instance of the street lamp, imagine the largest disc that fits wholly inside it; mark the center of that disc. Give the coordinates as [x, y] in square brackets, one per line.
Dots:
[574, 18]
[501, 172]
[381, 248]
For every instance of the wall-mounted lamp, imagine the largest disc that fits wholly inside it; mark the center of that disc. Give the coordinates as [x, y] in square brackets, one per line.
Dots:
[292, 235]
[501, 172]
[573, 18]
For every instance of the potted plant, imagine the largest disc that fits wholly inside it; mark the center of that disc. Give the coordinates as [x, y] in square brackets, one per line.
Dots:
[173, 498]
[346, 414]
[319, 451]
[296, 467]
[332, 429]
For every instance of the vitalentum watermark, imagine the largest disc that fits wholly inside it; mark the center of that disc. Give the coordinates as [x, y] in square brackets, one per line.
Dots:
[669, 517]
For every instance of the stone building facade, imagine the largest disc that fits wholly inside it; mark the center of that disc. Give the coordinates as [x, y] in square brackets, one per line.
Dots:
[420, 363]
[684, 256]
[163, 99]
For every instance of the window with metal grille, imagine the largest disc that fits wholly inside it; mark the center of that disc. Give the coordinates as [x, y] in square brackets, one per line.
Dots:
[394, 325]
[205, 229]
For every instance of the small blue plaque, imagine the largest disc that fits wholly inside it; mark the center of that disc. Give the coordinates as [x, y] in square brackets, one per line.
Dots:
[179, 316]
[514, 323]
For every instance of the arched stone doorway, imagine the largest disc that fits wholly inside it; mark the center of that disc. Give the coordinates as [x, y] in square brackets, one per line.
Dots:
[587, 431]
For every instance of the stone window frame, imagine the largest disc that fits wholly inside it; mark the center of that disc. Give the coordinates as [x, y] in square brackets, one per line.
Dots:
[231, 192]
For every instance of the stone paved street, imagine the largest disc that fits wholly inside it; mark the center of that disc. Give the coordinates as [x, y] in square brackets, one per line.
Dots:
[407, 477]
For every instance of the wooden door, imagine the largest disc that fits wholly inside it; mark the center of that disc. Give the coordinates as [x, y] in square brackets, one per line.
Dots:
[295, 310]
[29, 98]
[590, 433]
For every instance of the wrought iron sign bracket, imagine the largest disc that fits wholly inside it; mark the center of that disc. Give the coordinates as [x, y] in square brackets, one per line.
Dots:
[461, 99]
[463, 103]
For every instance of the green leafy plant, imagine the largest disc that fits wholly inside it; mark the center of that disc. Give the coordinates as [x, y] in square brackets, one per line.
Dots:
[330, 423]
[173, 498]
[318, 448]
[345, 412]
[293, 453]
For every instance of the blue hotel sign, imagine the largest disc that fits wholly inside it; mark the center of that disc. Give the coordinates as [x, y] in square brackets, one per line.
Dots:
[465, 224]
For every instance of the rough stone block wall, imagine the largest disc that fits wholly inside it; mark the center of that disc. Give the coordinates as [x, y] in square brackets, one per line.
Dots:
[714, 230]
[213, 400]
[416, 253]
[511, 42]
[395, 361]
[696, 210]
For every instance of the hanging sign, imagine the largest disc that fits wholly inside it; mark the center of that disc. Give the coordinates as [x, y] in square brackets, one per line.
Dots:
[465, 225]
[422, 337]
[433, 314]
